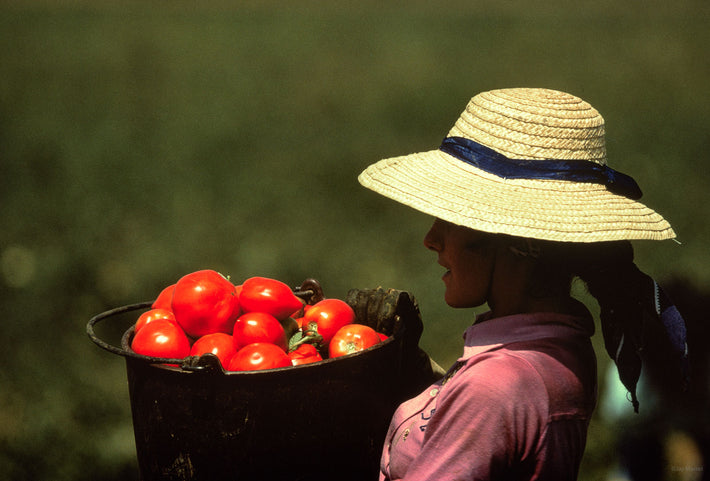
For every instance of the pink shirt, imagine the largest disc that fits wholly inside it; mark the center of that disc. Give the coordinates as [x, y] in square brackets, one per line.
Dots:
[517, 408]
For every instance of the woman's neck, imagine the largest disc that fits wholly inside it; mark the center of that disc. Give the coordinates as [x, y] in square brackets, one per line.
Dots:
[516, 288]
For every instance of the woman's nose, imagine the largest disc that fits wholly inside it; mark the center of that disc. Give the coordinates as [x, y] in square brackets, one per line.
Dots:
[432, 239]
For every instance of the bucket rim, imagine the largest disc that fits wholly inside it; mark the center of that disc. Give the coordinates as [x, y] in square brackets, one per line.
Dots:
[207, 362]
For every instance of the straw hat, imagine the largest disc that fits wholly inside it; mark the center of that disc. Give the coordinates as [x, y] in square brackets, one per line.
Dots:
[523, 162]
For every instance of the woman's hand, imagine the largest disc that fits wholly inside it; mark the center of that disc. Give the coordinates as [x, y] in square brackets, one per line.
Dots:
[396, 313]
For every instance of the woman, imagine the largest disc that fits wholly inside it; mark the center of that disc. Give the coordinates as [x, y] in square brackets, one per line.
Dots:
[524, 203]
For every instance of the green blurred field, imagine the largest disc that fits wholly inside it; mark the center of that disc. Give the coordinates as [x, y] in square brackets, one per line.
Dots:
[142, 140]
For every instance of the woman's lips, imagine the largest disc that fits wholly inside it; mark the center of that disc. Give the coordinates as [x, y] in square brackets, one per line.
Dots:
[447, 274]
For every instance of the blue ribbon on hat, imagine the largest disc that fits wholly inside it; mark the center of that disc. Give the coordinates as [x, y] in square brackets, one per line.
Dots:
[573, 170]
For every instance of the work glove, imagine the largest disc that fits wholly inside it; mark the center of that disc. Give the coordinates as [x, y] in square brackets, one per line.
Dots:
[396, 313]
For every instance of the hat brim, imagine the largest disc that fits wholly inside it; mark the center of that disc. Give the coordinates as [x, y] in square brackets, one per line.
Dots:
[445, 187]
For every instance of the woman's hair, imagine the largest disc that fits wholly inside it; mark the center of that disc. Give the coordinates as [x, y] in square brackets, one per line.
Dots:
[603, 266]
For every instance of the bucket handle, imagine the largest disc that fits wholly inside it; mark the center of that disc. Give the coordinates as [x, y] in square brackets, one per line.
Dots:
[123, 352]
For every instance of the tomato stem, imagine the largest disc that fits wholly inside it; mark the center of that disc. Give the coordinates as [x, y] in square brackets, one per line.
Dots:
[307, 337]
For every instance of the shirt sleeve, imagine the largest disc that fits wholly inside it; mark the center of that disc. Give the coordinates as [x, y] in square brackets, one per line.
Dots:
[488, 420]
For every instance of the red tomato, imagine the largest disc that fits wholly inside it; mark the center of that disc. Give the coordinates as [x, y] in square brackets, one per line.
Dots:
[165, 298]
[304, 354]
[205, 302]
[259, 327]
[261, 294]
[383, 337]
[257, 356]
[327, 316]
[352, 338]
[153, 314]
[217, 343]
[161, 338]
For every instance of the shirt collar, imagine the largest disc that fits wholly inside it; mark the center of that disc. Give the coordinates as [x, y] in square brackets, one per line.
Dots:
[487, 333]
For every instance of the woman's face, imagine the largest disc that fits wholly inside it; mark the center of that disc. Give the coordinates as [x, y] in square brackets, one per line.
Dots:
[468, 256]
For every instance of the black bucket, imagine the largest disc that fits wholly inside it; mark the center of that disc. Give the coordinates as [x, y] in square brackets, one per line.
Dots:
[326, 420]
